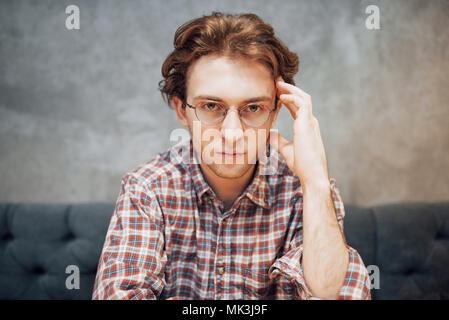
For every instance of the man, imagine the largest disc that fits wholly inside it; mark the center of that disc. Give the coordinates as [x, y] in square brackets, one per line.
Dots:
[213, 219]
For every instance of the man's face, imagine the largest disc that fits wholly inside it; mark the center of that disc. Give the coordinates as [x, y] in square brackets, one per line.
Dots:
[230, 148]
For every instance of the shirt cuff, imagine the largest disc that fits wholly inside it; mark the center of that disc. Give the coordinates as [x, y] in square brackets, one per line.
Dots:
[355, 286]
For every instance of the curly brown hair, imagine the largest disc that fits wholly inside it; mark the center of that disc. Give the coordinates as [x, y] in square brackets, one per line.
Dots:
[232, 35]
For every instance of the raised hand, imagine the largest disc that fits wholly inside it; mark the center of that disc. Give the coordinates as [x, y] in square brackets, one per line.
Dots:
[305, 155]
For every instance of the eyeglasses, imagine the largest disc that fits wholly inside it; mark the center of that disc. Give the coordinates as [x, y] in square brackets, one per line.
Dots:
[213, 113]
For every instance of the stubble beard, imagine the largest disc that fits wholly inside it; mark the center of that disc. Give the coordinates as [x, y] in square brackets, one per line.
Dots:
[234, 170]
[230, 171]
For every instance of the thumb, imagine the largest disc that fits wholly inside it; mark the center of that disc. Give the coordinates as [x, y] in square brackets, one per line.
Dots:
[284, 147]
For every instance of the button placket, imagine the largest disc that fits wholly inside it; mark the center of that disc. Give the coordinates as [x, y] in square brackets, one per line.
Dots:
[219, 268]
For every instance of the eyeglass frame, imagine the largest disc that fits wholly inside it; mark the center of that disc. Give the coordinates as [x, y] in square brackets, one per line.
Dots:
[276, 100]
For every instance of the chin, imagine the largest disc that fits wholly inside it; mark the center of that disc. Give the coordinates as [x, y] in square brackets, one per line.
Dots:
[230, 171]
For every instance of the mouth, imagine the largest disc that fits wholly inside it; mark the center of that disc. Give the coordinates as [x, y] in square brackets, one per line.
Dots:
[230, 155]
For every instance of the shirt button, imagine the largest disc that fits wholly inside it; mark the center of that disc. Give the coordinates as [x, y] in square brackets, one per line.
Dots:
[221, 270]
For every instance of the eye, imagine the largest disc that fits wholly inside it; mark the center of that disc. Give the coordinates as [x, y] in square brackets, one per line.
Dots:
[211, 106]
[254, 108]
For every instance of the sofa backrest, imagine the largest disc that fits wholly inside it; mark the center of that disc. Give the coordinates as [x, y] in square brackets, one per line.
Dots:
[40, 244]
[409, 243]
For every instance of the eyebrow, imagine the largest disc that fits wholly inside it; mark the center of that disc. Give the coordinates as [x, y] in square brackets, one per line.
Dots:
[255, 99]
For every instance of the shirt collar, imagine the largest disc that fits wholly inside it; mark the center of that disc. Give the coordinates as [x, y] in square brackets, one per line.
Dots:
[258, 191]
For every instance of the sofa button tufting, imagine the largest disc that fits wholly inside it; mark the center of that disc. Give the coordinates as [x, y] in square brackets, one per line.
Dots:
[409, 271]
[38, 270]
[7, 237]
[69, 236]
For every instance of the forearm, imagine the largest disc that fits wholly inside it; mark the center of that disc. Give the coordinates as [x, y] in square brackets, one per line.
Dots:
[325, 256]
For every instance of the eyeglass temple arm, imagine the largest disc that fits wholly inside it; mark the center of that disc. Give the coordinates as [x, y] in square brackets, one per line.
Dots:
[184, 104]
[275, 104]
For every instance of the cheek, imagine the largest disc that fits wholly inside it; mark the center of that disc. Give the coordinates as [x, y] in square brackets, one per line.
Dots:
[257, 140]
[206, 136]
[254, 139]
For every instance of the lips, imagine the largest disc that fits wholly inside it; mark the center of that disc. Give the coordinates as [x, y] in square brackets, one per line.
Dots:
[231, 154]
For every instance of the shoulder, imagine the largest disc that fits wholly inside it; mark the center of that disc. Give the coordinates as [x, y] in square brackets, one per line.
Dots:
[161, 171]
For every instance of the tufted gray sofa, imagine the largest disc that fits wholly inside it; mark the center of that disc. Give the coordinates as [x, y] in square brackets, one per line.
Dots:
[408, 242]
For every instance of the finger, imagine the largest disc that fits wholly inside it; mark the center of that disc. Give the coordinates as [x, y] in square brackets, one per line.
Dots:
[280, 79]
[279, 91]
[284, 86]
[284, 147]
[291, 89]
[295, 104]
[299, 104]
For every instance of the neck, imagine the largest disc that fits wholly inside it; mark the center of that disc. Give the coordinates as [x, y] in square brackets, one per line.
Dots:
[227, 190]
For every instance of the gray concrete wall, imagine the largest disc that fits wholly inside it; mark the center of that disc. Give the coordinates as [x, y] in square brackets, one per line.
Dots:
[78, 109]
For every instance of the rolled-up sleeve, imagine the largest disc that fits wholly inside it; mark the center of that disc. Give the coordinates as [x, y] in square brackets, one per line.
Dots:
[356, 284]
[132, 261]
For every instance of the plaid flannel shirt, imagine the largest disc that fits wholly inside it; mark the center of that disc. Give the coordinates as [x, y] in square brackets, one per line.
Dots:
[170, 237]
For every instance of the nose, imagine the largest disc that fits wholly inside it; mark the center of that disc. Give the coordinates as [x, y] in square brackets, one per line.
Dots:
[232, 130]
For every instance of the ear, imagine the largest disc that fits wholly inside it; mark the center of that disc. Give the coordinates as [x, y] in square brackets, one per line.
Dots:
[180, 111]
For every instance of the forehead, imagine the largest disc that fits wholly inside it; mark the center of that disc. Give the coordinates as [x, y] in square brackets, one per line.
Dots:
[229, 78]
